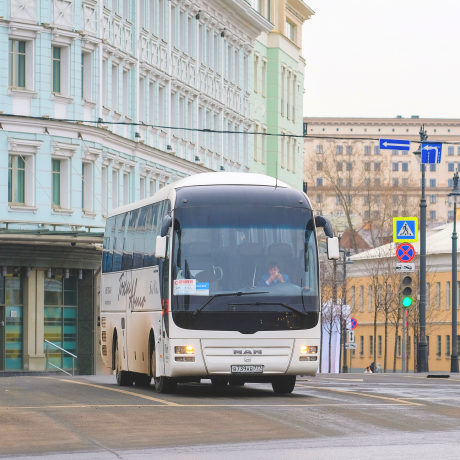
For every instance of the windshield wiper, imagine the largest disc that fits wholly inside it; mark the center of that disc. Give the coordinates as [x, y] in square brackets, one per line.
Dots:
[271, 303]
[238, 294]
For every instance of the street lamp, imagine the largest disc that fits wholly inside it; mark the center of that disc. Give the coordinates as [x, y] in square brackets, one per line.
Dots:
[346, 261]
[454, 197]
[422, 348]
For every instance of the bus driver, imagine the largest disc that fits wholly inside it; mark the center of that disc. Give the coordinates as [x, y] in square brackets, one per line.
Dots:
[273, 276]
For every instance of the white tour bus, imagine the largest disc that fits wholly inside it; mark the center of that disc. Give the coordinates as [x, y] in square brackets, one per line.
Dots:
[215, 276]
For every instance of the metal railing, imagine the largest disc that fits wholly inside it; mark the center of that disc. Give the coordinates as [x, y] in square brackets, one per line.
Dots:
[48, 343]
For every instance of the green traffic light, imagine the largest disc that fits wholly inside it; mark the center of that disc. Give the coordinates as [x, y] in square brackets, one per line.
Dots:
[407, 302]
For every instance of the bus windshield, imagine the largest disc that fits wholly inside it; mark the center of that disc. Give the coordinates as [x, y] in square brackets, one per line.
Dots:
[268, 250]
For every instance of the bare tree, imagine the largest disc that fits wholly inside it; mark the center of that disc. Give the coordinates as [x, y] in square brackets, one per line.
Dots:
[363, 187]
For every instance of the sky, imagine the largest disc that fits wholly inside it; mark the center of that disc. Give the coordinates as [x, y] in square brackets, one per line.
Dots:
[374, 58]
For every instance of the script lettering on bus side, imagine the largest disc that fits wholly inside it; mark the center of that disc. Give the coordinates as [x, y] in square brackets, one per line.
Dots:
[127, 288]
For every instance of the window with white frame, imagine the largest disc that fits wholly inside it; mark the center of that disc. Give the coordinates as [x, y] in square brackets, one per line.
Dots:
[126, 92]
[104, 188]
[60, 66]
[16, 180]
[142, 99]
[56, 69]
[256, 141]
[17, 64]
[87, 186]
[290, 30]
[371, 345]
[263, 141]
[369, 298]
[56, 183]
[115, 95]
[438, 295]
[104, 89]
[127, 9]
[151, 102]
[361, 298]
[142, 14]
[115, 174]
[86, 76]
[353, 300]
[142, 188]
[152, 187]
[256, 66]
[152, 13]
[125, 188]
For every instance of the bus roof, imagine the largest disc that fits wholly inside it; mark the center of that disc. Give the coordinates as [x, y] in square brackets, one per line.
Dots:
[204, 179]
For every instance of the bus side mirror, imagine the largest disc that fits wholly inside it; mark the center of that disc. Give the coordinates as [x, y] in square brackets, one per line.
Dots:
[333, 248]
[161, 248]
[167, 220]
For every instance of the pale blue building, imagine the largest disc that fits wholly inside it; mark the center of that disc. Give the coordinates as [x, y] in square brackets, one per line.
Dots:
[65, 64]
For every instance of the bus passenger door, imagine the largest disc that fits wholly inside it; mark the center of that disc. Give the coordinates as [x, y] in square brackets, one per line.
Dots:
[163, 342]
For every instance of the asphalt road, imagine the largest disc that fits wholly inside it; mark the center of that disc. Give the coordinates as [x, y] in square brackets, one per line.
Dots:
[330, 416]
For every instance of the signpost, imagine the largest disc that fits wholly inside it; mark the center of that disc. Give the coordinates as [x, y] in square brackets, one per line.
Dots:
[394, 144]
[405, 252]
[351, 346]
[407, 267]
[431, 152]
[351, 336]
[353, 323]
[405, 229]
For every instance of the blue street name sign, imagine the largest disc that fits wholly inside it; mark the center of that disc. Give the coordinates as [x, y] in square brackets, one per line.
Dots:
[394, 144]
[431, 152]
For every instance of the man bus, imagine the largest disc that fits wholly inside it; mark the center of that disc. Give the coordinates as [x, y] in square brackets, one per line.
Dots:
[181, 297]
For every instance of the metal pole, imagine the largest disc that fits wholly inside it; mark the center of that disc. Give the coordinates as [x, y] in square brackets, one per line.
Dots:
[422, 351]
[403, 354]
[73, 366]
[341, 324]
[344, 301]
[454, 356]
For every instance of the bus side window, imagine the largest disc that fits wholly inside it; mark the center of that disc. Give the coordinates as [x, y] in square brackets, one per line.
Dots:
[109, 235]
[139, 237]
[127, 262]
[118, 241]
[148, 235]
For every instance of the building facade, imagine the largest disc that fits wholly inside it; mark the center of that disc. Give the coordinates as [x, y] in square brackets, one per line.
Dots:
[72, 70]
[277, 100]
[367, 280]
[346, 171]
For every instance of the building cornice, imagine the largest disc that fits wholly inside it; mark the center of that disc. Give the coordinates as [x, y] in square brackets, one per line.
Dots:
[98, 136]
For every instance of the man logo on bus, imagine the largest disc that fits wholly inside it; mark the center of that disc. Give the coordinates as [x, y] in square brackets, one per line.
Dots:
[247, 351]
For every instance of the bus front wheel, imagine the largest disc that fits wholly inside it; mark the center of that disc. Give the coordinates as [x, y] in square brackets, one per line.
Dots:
[284, 384]
[124, 378]
[165, 385]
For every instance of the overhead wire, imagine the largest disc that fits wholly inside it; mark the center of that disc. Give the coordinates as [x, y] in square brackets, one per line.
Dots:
[206, 130]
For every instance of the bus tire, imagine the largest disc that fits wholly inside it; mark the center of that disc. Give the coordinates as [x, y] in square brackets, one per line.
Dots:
[124, 378]
[142, 380]
[284, 384]
[165, 385]
[219, 382]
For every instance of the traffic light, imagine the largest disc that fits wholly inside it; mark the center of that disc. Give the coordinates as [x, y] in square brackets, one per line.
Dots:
[406, 291]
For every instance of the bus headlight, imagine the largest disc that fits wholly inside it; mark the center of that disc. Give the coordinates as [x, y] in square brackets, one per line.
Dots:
[304, 350]
[188, 350]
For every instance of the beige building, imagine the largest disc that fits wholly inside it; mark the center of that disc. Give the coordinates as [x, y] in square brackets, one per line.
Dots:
[373, 288]
[351, 181]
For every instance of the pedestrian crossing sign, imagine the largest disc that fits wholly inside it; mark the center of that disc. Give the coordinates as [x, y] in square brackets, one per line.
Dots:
[405, 229]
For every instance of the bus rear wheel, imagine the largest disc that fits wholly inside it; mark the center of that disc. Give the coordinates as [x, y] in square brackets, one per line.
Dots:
[124, 378]
[284, 384]
[165, 385]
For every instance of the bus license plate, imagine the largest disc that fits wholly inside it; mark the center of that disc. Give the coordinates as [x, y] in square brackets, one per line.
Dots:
[249, 369]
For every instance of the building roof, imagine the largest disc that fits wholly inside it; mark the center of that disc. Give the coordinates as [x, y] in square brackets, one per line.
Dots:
[438, 241]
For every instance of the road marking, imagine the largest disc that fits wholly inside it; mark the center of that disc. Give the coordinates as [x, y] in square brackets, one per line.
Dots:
[409, 403]
[81, 406]
[150, 398]
[348, 380]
